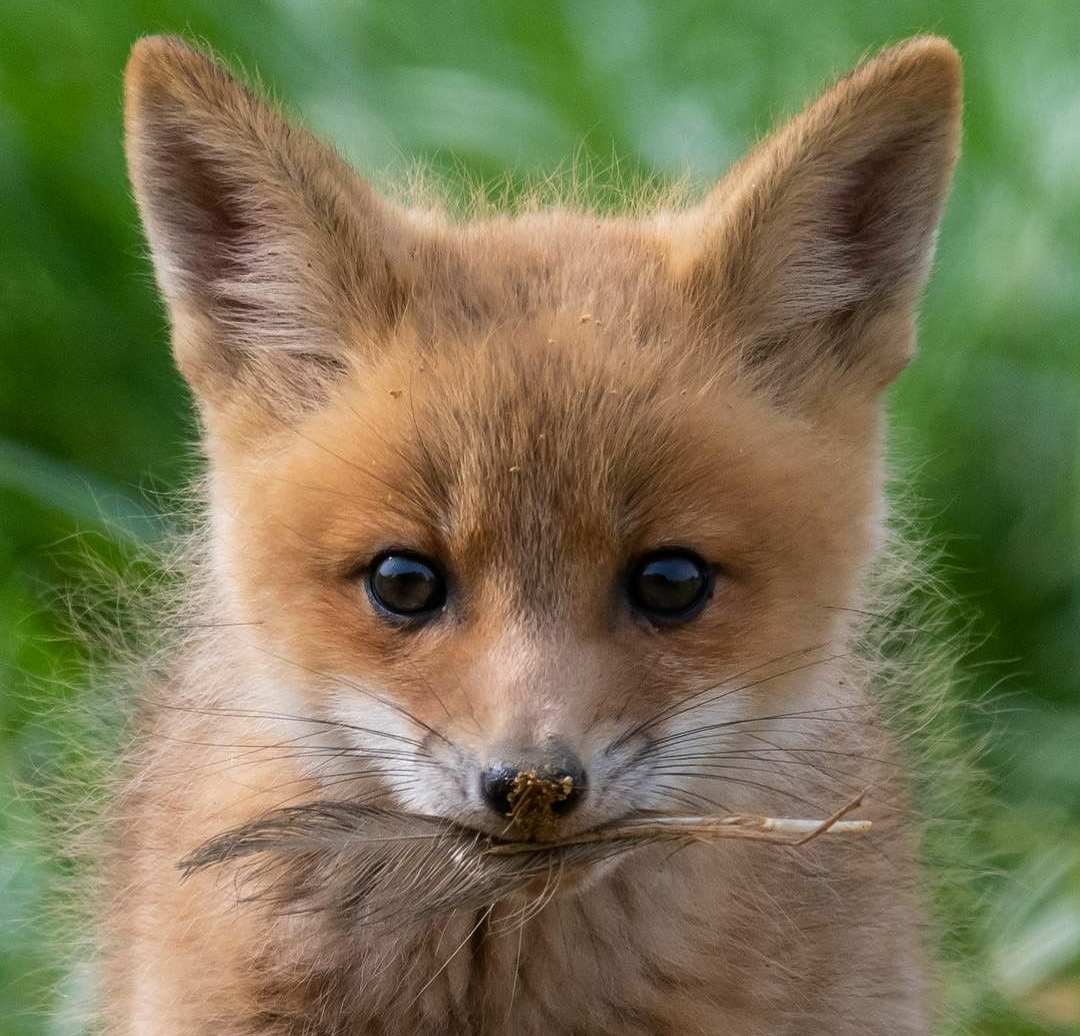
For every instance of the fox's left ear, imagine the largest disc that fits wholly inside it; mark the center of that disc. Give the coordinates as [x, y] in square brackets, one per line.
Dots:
[810, 255]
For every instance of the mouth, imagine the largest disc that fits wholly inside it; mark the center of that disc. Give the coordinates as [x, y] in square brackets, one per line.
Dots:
[372, 866]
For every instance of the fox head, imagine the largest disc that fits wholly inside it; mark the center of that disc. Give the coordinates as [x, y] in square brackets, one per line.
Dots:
[544, 514]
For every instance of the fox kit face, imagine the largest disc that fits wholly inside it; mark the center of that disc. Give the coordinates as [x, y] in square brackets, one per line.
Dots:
[534, 556]
[541, 510]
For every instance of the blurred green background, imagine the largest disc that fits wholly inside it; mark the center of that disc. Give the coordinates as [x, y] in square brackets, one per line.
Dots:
[92, 414]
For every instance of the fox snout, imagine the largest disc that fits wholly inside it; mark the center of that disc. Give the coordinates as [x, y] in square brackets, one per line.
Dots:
[531, 794]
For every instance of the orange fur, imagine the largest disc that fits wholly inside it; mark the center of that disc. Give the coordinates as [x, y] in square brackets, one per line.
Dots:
[534, 401]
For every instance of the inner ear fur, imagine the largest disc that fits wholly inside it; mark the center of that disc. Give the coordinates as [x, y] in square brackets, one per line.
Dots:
[811, 253]
[271, 253]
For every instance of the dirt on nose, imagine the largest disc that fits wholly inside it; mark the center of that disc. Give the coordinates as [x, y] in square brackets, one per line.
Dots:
[532, 801]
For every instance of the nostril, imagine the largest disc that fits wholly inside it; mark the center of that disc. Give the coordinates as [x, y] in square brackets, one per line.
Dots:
[572, 797]
[496, 786]
[547, 788]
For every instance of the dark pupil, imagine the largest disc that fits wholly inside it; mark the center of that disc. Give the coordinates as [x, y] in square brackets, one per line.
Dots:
[668, 584]
[406, 585]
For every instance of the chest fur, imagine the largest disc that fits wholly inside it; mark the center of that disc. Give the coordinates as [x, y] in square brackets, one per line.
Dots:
[662, 946]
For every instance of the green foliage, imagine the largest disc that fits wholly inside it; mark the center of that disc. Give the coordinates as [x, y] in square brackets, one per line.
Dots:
[989, 416]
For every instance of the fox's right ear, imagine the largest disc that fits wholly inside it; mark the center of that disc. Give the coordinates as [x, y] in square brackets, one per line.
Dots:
[277, 261]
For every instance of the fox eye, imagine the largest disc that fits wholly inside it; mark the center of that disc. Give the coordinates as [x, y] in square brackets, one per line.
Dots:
[670, 586]
[406, 585]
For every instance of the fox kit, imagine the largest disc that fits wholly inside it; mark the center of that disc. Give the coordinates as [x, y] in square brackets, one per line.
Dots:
[517, 529]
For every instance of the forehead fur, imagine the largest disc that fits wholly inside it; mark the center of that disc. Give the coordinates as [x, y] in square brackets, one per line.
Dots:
[549, 454]
[557, 265]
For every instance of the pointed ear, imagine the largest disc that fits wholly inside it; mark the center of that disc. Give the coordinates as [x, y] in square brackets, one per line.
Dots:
[811, 254]
[273, 256]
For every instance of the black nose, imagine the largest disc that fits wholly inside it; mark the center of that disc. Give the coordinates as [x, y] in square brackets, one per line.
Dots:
[552, 788]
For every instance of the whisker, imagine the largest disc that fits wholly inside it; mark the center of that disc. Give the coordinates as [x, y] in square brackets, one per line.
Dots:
[737, 780]
[341, 681]
[223, 767]
[754, 683]
[777, 768]
[693, 799]
[810, 715]
[202, 625]
[302, 752]
[234, 713]
[667, 711]
[777, 756]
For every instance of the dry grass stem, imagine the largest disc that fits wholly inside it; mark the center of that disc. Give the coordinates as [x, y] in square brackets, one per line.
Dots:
[706, 829]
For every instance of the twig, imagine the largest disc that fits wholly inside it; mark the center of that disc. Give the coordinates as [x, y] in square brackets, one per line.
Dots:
[705, 829]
